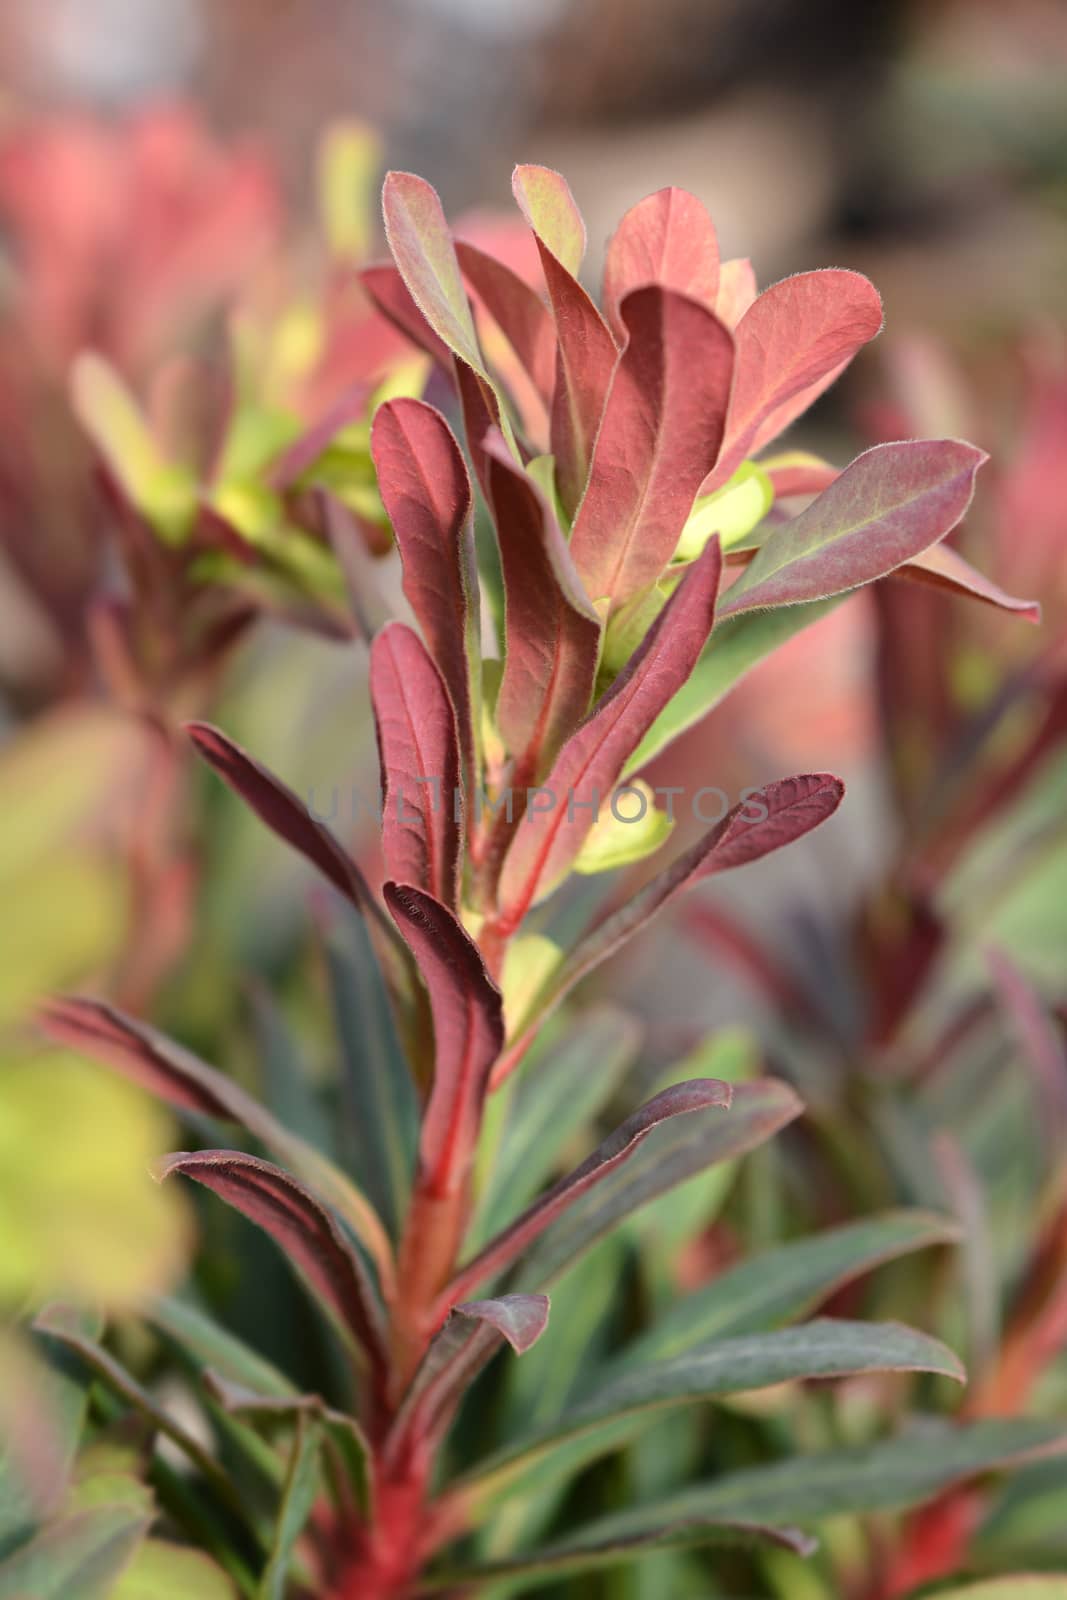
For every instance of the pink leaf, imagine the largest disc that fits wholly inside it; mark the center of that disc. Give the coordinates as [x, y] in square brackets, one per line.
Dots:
[587, 352]
[590, 764]
[792, 343]
[552, 632]
[681, 1099]
[519, 312]
[421, 243]
[884, 510]
[468, 1022]
[737, 290]
[661, 433]
[945, 568]
[419, 752]
[667, 238]
[390, 294]
[784, 811]
[427, 493]
[180, 1079]
[303, 1228]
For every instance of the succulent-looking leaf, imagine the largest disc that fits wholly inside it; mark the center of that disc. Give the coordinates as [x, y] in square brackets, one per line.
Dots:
[302, 1227]
[182, 1080]
[518, 310]
[587, 353]
[552, 633]
[427, 493]
[465, 1344]
[422, 814]
[786, 1282]
[585, 772]
[668, 238]
[82, 1554]
[885, 509]
[468, 1020]
[421, 243]
[660, 436]
[792, 342]
[673, 1152]
[298, 1498]
[619, 1408]
[771, 817]
[499, 1253]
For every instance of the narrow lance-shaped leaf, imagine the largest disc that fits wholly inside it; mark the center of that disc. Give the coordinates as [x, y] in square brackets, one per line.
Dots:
[585, 772]
[660, 436]
[391, 295]
[427, 493]
[587, 353]
[772, 817]
[619, 1408]
[552, 632]
[673, 1152]
[298, 1497]
[285, 814]
[468, 1020]
[944, 568]
[519, 311]
[421, 243]
[176, 1076]
[680, 1100]
[886, 508]
[422, 835]
[792, 342]
[302, 1227]
[470, 1337]
[668, 238]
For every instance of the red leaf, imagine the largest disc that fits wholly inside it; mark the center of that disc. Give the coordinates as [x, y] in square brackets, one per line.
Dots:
[180, 1079]
[468, 1021]
[884, 510]
[793, 806]
[390, 294]
[945, 568]
[419, 752]
[519, 312]
[552, 632]
[302, 1227]
[792, 343]
[590, 764]
[587, 352]
[667, 238]
[679, 1100]
[351, 406]
[661, 433]
[427, 493]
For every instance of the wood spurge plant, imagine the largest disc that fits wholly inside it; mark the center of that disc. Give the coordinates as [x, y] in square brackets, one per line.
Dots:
[615, 545]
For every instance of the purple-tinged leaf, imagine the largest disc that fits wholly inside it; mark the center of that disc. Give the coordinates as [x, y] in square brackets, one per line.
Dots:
[587, 353]
[180, 1079]
[797, 472]
[772, 817]
[468, 1022]
[427, 493]
[945, 568]
[890, 505]
[422, 247]
[302, 1227]
[738, 290]
[585, 772]
[661, 434]
[678, 1101]
[792, 343]
[390, 294]
[422, 835]
[668, 238]
[351, 406]
[518, 311]
[462, 1348]
[1040, 1043]
[552, 632]
[345, 532]
[286, 815]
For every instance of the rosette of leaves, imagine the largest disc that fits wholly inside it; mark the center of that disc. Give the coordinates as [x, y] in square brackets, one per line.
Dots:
[595, 442]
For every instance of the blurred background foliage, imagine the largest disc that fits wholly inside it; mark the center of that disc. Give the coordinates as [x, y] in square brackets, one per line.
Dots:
[168, 203]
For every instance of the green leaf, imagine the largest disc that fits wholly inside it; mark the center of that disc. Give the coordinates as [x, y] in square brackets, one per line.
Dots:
[631, 829]
[81, 1555]
[781, 1284]
[161, 1571]
[737, 645]
[731, 512]
[211, 1346]
[1034, 1586]
[349, 161]
[382, 1124]
[627, 1402]
[298, 1497]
